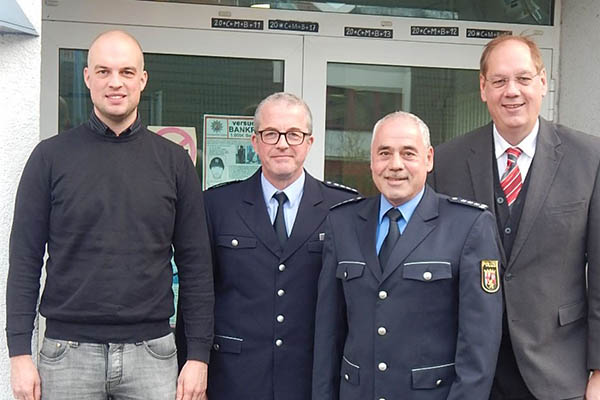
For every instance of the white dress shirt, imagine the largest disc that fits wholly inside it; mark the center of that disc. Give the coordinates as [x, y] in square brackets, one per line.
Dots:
[527, 146]
[294, 194]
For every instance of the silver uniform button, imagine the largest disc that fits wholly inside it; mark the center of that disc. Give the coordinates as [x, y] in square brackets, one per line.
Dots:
[282, 267]
[381, 331]
[279, 343]
[347, 377]
[280, 318]
[383, 295]
[234, 242]
[438, 382]
[280, 292]
[382, 398]
[216, 346]
[345, 274]
[382, 366]
[427, 276]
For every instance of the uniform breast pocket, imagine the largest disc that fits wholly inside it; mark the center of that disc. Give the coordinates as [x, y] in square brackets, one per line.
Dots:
[349, 270]
[427, 271]
[234, 256]
[236, 242]
[428, 286]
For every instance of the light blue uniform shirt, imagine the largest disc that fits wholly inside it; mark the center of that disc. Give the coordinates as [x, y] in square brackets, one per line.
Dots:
[407, 209]
[294, 194]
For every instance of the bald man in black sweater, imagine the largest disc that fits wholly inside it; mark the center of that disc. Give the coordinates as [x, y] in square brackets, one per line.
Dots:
[112, 202]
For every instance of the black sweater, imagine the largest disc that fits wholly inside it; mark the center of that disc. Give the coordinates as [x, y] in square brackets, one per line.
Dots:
[109, 208]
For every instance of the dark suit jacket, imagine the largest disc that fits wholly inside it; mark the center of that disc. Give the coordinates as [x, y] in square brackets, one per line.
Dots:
[554, 322]
[255, 282]
[422, 330]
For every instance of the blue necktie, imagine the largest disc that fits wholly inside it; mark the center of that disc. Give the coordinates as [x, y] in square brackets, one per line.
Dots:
[392, 237]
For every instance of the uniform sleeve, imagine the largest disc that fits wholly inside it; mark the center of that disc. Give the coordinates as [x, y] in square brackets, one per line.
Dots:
[194, 263]
[480, 314]
[593, 265]
[27, 247]
[330, 325]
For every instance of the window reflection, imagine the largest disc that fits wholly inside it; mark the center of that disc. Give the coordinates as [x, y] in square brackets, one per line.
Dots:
[358, 95]
[180, 89]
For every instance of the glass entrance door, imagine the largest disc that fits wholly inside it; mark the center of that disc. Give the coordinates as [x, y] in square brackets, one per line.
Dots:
[198, 71]
[356, 83]
[205, 79]
[202, 90]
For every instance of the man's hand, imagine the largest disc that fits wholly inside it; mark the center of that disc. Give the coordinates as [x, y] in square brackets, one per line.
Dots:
[593, 387]
[24, 378]
[191, 384]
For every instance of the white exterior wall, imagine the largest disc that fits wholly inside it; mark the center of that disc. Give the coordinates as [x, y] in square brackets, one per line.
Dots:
[20, 57]
[579, 90]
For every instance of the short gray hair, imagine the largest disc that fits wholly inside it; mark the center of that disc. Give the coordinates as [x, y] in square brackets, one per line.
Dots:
[423, 128]
[287, 98]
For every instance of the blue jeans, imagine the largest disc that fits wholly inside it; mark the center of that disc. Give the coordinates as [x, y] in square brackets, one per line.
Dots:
[89, 371]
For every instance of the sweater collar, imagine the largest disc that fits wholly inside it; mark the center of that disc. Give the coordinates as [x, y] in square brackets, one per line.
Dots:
[99, 127]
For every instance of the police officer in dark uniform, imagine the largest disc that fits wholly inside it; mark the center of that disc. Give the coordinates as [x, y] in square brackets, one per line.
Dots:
[267, 239]
[409, 304]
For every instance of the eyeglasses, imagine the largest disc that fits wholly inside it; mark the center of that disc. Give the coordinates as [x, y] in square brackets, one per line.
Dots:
[498, 82]
[293, 138]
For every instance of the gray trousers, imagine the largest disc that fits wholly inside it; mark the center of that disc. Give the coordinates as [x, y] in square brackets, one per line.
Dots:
[89, 371]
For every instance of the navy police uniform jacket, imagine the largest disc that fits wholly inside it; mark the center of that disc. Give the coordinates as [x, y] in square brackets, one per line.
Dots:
[426, 328]
[265, 296]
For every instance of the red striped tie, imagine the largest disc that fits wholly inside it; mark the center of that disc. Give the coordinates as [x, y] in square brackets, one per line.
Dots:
[511, 180]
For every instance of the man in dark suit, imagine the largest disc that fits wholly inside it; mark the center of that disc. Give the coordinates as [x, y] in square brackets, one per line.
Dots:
[541, 181]
[409, 305]
[267, 259]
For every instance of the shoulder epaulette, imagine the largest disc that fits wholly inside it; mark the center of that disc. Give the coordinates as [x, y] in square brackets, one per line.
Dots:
[218, 185]
[466, 202]
[352, 200]
[336, 185]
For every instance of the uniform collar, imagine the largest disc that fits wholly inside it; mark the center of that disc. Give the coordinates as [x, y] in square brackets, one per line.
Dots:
[407, 209]
[293, 191]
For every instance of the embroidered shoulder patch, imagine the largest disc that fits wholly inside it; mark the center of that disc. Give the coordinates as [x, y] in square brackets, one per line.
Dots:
[490, 276]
